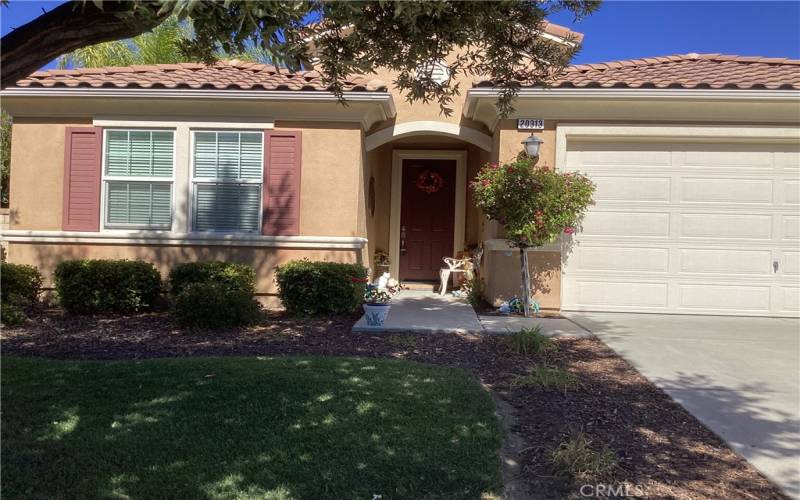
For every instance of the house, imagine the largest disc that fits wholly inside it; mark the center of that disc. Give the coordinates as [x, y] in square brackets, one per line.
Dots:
[696, 158]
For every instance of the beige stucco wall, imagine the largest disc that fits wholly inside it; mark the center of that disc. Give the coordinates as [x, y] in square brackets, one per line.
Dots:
[504, 277]
[330, 193]
[37, 167]
[331, 166]
[430, 111]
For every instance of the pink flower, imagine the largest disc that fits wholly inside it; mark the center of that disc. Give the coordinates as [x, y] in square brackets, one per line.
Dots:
[494, 165]
[486, 182]
[510, 170]
[569, 230]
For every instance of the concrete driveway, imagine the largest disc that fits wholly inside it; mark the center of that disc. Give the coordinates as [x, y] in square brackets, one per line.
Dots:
[739, 376]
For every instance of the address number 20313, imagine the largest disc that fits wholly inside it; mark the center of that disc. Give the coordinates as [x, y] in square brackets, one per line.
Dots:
[530, 124]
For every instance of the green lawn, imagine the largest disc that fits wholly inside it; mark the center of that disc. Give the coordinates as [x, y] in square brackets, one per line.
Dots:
[275, 428]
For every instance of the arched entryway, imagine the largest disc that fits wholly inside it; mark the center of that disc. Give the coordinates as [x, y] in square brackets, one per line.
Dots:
[423, 210]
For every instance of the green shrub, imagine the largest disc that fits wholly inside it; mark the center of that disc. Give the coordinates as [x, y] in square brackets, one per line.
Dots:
[107, 286]
[531, 342]
[214, 306]
[19, 284]
[316, 288]
[12, 315]
[474, 289]
[231, 275]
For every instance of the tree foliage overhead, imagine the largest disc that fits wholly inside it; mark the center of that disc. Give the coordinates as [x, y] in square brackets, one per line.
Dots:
[162, 45]
[501, 40]
[159, 46]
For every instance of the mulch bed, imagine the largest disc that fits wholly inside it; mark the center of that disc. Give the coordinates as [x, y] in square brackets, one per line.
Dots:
[662, 451]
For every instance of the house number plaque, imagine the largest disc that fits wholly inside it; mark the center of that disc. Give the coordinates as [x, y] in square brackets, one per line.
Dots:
[530, 124]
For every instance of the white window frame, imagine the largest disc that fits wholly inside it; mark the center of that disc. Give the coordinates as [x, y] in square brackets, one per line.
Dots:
[208, 180]
[105, 179]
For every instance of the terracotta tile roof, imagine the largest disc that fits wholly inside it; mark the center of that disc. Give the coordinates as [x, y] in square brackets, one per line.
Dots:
[561, 32]
[222, 75]
[688, 71]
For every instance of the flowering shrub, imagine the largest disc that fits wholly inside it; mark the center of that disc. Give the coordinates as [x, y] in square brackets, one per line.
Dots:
[535, 205]
[375, 296]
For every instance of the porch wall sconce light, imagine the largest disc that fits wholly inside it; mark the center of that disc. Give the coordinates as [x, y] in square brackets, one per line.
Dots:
[532, 144]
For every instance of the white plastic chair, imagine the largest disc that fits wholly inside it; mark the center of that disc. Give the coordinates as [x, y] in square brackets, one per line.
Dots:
[453, 266]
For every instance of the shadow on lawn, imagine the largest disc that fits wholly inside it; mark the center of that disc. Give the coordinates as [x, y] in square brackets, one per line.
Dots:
[245, 428]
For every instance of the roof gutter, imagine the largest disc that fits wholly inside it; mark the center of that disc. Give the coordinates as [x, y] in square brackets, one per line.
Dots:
[610, 94]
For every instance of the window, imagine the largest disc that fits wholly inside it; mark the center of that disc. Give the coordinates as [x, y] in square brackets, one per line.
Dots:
[138, 175]
[226, 181]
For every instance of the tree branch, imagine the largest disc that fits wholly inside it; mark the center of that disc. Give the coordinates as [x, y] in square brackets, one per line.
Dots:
[68, 27]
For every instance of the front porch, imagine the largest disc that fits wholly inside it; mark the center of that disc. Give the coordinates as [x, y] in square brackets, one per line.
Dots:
[412, 225]
[422, 311]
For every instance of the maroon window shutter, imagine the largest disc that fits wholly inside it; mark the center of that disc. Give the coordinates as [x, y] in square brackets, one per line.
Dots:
[282, 154]
[82, 159]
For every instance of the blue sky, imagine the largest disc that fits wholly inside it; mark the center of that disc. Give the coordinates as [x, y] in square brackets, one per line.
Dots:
[631, 29]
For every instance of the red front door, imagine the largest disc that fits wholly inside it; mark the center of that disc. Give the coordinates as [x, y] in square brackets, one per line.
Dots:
[426, 221]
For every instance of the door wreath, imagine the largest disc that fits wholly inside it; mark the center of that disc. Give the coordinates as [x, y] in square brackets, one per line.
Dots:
[430, 181]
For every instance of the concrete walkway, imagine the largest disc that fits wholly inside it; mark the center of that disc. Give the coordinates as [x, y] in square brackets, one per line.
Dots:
[739, 376]
[426, 312]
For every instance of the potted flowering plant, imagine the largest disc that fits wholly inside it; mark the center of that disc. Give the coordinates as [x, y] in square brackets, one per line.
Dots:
[376, 304]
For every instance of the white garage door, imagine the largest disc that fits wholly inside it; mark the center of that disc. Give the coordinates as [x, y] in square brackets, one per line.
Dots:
[688, 228]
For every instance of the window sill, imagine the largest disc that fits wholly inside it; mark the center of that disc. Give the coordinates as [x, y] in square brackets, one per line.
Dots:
[117, 237]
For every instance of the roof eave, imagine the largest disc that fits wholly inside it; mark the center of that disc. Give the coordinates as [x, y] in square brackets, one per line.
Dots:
[598, 93]
[383, 101]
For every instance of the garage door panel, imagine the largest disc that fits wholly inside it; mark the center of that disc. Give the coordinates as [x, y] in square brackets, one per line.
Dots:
[734, 298]
[631, 189]
[612, 223]
[724, 261]
[790, 263]
[634, 155]
[687, 227]
[729, 156]
[740, 226]
[791, 227]
[623, 259]
[791, 192]
[787, 157]
[791, 299]
[715, 190]
[621, 294]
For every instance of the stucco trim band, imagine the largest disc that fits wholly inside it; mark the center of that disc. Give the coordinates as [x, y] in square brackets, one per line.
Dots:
[134, 238]
[427, 127]
[747, 133]
[626, 93]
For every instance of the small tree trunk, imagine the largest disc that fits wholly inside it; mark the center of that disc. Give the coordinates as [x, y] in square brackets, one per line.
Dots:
[526, 281]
